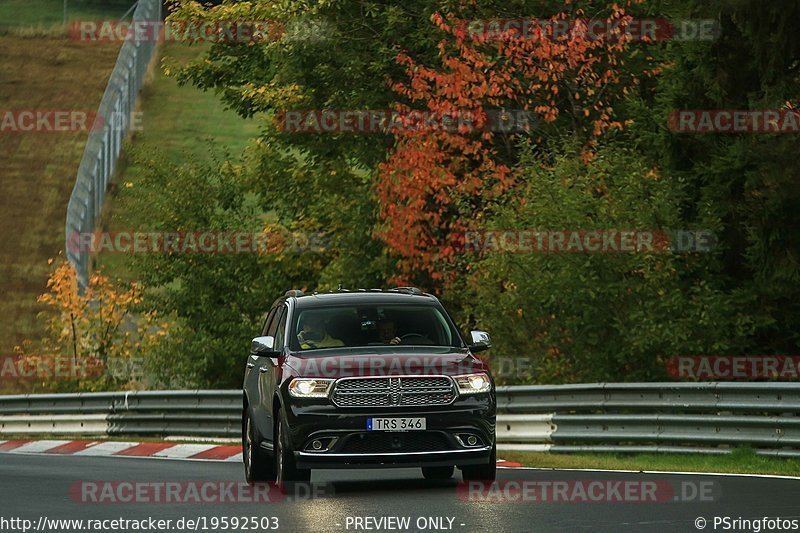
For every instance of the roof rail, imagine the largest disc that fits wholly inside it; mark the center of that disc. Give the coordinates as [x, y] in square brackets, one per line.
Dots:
[294, 292]
[408, 290]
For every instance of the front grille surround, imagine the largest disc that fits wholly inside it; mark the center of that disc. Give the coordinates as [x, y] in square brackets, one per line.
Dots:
[394, 391]
[377, 442]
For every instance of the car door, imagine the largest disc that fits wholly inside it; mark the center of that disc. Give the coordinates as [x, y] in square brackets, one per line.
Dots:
[252, 386]
[270, 368]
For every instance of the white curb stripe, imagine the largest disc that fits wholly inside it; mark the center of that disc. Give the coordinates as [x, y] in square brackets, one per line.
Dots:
[203, 440]
[39, 446]
[106, 448]
[183, 451]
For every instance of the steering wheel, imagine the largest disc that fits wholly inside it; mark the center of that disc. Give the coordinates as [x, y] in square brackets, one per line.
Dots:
[403, 338]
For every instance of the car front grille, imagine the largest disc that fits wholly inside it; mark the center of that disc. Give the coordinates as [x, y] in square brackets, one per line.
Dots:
[402, 391]
[384, 442]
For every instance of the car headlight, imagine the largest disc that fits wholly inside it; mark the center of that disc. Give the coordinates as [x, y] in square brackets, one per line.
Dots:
[473, 384]
[310, 388]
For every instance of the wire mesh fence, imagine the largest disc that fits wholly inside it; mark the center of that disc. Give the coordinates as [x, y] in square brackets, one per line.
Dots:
[104, 145]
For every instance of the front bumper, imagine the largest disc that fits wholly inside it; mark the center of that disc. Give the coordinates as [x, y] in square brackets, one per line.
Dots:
[474, 456]
[347, 443]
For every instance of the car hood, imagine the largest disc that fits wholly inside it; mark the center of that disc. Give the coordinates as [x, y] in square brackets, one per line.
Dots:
[385, 362]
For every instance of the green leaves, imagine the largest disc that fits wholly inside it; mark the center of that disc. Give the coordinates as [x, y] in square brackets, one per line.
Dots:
[578, 316]
[598, 316]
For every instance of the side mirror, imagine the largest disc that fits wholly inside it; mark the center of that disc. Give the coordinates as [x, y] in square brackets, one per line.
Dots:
[263, 347]
[480, 341]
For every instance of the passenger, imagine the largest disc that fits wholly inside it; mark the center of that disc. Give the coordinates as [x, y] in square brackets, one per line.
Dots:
[314, 335]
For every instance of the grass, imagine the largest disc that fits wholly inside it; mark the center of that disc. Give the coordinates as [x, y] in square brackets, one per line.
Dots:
[740, 461]
[37, 170]
[48, 13]
[183, 124]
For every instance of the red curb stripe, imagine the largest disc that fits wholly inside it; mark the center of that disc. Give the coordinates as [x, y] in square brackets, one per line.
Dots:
[13, 445]
[71, 447]
[145, 449]
[218, 452]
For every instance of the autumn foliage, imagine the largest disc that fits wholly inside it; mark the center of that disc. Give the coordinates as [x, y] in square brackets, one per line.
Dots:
[96, 331]
[437, 182]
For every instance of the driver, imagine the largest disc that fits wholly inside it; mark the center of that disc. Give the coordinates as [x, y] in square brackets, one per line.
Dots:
[387, 331]
[314, 335]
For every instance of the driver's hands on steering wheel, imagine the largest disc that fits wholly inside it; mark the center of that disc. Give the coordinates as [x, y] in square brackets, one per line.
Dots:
[395, 340]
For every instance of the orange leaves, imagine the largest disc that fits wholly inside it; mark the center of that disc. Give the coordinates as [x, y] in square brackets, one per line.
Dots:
[436, 184]
[96, 327]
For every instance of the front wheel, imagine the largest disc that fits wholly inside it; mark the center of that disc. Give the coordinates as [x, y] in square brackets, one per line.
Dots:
[258, 466]
[287, 471]
[484, 472]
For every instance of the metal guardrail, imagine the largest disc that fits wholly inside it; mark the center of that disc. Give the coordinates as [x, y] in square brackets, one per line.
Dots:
[161, 413]
[711, 418]
[104, 145]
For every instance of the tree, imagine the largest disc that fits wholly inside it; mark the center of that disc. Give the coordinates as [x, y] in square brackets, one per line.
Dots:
[586, 316]
[437, 181]
[95, 339]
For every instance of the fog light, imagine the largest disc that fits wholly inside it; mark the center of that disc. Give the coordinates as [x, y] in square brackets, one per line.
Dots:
[472, 440]
[317, 445]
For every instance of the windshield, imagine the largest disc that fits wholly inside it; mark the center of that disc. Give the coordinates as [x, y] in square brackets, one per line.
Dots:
[372, 325]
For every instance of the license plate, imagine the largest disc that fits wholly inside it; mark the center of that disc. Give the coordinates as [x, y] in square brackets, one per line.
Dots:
[396, 424]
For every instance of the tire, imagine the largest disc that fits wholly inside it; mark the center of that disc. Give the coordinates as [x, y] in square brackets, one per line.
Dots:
[259, 467]
[286, 469]
[437, 472]
[485, 472]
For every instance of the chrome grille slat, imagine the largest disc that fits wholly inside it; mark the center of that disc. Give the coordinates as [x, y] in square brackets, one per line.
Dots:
[363, 392]
[424, 391]
[394, 391]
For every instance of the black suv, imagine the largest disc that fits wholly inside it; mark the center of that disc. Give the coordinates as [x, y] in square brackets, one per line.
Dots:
[367, 378]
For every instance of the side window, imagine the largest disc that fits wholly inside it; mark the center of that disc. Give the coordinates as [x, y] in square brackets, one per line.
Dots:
[273, 327]
[268, 321]
[281, 330]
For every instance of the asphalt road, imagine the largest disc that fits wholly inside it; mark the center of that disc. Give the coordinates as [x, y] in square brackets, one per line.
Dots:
[44, 486]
